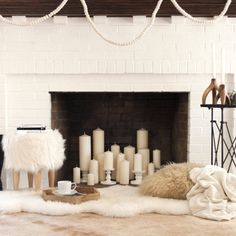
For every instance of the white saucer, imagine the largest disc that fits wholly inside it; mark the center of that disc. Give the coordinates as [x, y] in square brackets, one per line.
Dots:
[56, 192]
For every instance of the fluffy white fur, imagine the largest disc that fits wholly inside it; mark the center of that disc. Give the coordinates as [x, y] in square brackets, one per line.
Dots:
[115, 201]
[172, 181]
[34, 151]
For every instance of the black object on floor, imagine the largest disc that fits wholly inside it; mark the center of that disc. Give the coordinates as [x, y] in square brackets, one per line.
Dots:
[1, 160]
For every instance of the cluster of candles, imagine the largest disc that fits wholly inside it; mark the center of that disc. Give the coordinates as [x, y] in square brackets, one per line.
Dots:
[121, 167]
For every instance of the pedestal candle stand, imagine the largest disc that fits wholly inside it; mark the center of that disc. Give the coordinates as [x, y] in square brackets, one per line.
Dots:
[108, 180]
[138, 177]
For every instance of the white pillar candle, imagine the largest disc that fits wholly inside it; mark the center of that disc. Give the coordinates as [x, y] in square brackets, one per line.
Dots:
[138, 162]
[93, 169]
[100, 158]
[115, 150]
[157, 158]
[124, 172]
[108, 161]
[213, 61]
[90, 179]
[151, 169]
[223, 66]
[84, 151]
[76, 175]
[120, 157]
[98, 141]
[142, 138]
[145, 159]
[129, 152]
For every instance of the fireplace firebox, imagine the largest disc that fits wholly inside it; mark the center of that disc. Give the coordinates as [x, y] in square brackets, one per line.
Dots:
[120, 115]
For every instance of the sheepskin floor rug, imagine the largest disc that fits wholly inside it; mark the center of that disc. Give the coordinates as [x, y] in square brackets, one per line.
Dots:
[115, 201]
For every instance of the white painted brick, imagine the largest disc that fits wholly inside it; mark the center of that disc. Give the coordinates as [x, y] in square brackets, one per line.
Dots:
[102, 66]
[111, 67]
[100, 19]
[19, 19]
[166, 67]
[178, 19]
[139, 20]
[196, 148]
[148, 67]
[120, 67]
[60, 19]
[130, 67]
[157, 66]
[138, 66]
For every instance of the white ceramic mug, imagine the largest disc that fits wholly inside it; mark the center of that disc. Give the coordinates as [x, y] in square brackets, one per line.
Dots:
[65, 186]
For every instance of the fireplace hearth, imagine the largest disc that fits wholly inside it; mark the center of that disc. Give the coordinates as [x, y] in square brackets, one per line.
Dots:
[120, 115]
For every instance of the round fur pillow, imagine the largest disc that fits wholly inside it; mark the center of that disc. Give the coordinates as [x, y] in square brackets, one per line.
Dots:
[172, 181]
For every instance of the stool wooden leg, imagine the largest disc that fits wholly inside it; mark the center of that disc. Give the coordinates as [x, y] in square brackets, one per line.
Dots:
[16, 179]
[30, 179]
[37, 181]
[51, 178]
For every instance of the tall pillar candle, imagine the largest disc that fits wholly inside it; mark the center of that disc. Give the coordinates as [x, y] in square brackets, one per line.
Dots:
[142, 138]
[76, 175]
[157, 158]
[98, 142]
[129, 152]
[151, 169]
[100, 158]
[93, 169]
[124, 172]
[120, 157]
[145, 159]
[108, 161]
[115, 150]
[84, 151]
[137, 162]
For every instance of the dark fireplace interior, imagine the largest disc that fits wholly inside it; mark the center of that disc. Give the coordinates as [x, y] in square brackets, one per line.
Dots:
[120, 115]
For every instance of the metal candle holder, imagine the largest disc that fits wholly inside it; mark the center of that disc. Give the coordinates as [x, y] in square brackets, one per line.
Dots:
[108, 180]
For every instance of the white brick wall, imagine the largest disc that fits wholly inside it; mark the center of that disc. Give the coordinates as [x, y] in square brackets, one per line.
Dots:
[175, 55]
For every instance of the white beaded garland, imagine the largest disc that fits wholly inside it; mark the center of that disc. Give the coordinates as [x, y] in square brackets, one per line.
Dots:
[38, 20]
[127, 43]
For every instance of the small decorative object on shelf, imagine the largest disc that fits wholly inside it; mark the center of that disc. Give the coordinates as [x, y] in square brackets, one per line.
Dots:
[222, 141]
[222, 95]
[218, 92]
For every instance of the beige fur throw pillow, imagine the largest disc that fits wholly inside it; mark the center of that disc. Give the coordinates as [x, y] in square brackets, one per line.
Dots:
[172, 181]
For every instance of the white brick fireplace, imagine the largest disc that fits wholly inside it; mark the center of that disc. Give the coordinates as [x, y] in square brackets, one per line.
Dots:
[175, 56]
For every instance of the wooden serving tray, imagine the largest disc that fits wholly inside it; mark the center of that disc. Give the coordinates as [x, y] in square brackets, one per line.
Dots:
[91, 193]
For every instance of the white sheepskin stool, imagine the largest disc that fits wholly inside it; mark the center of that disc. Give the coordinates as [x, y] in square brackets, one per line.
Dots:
[33, 152]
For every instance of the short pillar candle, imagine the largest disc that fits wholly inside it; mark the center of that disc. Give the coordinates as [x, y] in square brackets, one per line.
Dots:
[93, 169]
[124, 172]
[91, 179]
[145, 159]
[157, 158]
[76, 175]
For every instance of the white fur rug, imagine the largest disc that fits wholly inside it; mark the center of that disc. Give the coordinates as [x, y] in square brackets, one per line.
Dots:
[115, 201]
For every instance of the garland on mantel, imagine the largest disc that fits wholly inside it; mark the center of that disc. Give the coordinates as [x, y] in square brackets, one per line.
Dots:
[126, 43]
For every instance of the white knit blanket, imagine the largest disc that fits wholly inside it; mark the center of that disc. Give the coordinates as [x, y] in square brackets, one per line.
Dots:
[214, 194]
